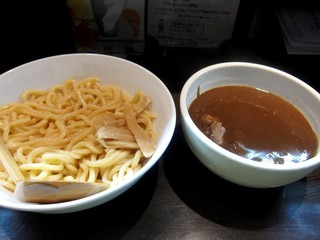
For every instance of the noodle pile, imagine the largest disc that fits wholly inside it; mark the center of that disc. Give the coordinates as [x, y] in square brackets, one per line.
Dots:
[78, 131]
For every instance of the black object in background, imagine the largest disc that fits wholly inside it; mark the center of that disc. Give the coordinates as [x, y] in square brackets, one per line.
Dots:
[33, 29]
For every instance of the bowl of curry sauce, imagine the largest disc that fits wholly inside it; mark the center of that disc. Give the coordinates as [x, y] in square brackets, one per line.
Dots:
[251, 124]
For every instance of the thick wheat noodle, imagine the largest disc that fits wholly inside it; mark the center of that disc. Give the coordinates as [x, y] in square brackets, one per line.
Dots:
[52, 133]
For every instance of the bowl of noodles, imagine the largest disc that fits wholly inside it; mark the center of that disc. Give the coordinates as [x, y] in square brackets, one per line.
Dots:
[82, 118]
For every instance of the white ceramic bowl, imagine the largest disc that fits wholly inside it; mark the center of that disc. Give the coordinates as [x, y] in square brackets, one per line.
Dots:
[229, 165]
[43, 73]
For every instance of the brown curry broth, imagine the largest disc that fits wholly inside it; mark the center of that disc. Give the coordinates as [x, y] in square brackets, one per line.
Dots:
[259, 125]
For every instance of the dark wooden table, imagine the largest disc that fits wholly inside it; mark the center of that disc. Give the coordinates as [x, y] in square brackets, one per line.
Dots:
[179, 198]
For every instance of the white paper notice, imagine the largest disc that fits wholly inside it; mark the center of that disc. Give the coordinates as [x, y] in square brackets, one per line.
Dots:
[191, 23]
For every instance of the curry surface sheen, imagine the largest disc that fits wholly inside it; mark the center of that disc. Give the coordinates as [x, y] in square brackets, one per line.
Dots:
[256, 124]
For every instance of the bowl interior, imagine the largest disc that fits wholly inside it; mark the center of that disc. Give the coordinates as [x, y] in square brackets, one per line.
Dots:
[130, 77]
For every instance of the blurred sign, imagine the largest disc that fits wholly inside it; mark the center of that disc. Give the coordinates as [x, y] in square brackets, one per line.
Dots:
[301, 30]
[117, 27]
[191, 23]
[108, 26]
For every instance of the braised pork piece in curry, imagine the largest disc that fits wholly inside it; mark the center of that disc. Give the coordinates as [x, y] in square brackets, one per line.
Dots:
[254, 124]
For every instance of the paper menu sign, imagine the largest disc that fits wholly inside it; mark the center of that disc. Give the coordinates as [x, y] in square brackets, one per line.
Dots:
[301, 30]
[191, 23]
